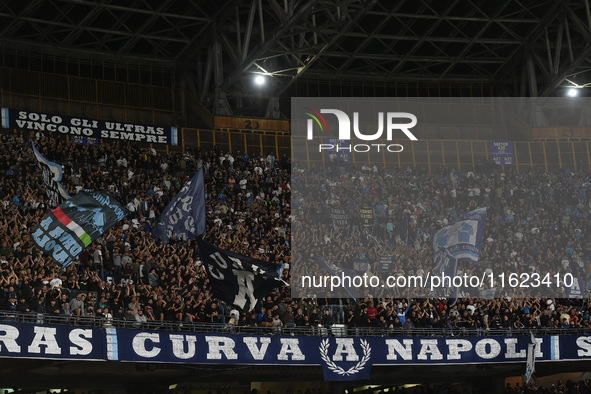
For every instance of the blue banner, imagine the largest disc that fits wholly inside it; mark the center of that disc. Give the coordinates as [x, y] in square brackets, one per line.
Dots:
[502, 153]
[343, 153]
[463, 237]
[184, 216]
[65, 231]
[341, 358]
[85, 140]
[577, 289]
[52, 176]
[51, 342]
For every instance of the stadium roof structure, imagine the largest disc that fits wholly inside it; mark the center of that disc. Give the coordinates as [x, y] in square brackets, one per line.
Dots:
[515, 47]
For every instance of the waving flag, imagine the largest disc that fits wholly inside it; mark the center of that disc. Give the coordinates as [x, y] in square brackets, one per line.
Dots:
[75, 224]
[530, 367]
[236, 279]
[184, 216]
[52, 175]
[340, 272]
[463, 237]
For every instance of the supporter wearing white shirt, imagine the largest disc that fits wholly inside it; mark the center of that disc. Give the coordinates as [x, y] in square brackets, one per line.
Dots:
[565, 263]
[56, 282]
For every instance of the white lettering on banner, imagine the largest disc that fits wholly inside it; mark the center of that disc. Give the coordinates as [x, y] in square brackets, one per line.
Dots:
[186, 201]
[429, 346]
[8, 336]
[24, 340]
[139, 345]
[173, 218]
[245, 281]
[217, 257]
[584, 344]
[457, 346]
[213, 271]
[178, 346]
[345, 345]
[219, 345]
[84, 123]
[394, 346]
[39, 117]
[512, 349]
[44, 336]
[539, 352]
[256, 352]
[190, 224]
[495, 348]
[132, 137]
[89, 128]
[79, 338]
[290, 345]
[219, 260]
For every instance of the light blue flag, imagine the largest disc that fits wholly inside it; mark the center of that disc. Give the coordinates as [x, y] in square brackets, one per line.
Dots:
[52, 176]
[463, 237]
[184, 217]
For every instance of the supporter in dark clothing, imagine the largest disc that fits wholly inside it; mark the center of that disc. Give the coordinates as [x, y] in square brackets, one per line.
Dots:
[326, 320]
[535, 218]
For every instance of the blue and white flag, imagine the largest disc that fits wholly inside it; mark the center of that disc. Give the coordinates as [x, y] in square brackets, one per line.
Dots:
[66, 230]
[446, 265]
[184, 216]
[346, 274]
[463, 237]
[52, 176]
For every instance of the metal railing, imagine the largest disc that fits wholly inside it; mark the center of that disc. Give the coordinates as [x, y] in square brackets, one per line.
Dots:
[429, 154]
[340, 330]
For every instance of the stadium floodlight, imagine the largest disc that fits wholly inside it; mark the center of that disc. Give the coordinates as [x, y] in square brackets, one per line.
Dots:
[572, 92]
[259, 80]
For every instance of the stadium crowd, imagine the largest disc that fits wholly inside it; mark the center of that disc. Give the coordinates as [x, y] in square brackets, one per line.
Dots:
[559, 387]
[537, 220]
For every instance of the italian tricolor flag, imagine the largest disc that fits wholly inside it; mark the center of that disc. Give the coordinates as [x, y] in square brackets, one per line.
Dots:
[75, 227]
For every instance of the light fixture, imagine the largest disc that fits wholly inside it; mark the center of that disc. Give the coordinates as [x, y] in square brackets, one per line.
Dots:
[259, 80]
[572, 92]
